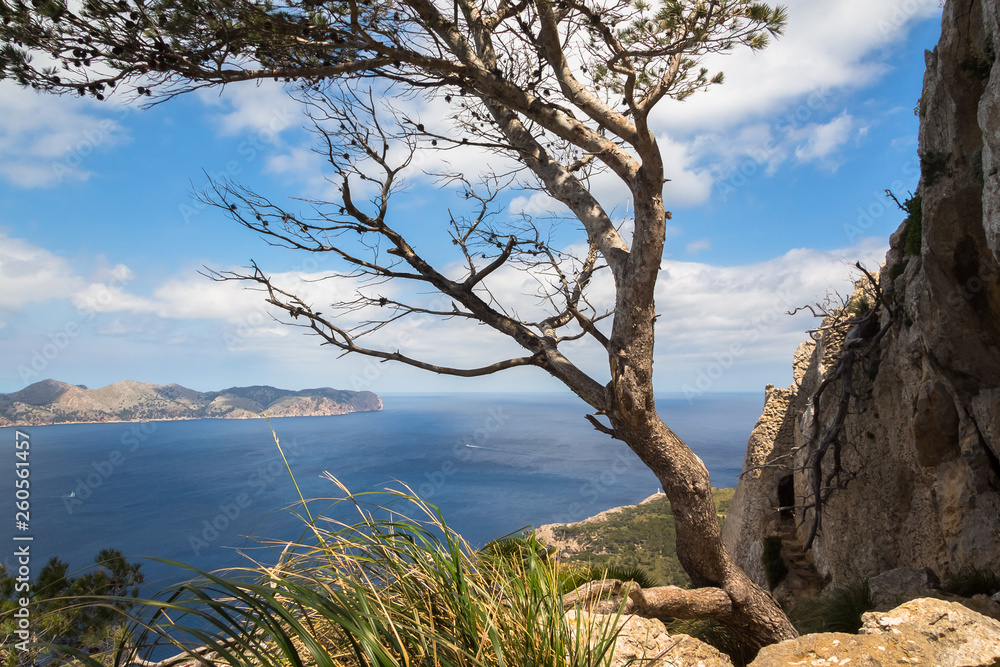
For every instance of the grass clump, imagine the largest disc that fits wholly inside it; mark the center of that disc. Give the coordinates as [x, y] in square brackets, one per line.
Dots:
[385, 589]
[838, 610]
[972, 581]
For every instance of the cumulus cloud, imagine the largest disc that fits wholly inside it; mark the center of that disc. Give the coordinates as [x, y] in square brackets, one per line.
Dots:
[30, 274]
[821, 140]
[826, 46]
[717, 320]
[264, 109]
[707, 312]
[47, 140]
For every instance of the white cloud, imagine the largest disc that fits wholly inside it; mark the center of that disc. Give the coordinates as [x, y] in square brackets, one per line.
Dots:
[697, 246]
[826, 46]
[706, 311]
[537, 203]
[820, 141]
[30, 274]
[688, 185]
[47, 140]
[718, 320]
[263, 108]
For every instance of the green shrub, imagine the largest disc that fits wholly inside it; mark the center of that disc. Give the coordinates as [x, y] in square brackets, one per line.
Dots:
[933, 165]
[63, 610]
[859, 306]
[574, 577]
[914, 225]
[896, 270]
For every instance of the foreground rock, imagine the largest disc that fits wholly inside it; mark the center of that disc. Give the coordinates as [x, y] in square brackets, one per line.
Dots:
[920, 632]
[53, 402]
[645, 641]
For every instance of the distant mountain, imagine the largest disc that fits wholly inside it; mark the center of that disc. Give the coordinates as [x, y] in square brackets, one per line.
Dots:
[53, 402]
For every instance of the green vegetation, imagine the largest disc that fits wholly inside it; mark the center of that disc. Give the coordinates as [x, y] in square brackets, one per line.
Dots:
[914, 221]
[896, 270]
[573, 577]
[383, 591]
[859, 306]
[933, 165]
[972, 581]
[836, 610]
[641, 536]
[62, 610]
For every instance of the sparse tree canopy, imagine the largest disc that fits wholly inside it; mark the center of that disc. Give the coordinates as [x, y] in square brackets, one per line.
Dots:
[62, 612]
[560, 89]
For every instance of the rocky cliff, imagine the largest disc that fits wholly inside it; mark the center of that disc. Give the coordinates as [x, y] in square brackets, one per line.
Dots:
[893, 420]
[51, 402]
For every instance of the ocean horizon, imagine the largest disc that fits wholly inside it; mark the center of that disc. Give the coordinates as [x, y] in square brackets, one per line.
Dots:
[210, 493]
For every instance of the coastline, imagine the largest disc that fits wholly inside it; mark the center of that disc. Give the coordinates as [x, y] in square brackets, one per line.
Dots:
[176, 419]
[565, 547]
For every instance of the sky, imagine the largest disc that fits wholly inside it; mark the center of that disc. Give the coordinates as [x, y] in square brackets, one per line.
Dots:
[777, 189]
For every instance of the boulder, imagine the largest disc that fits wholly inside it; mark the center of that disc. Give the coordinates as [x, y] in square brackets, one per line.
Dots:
[901, 584]
[956, 635]
[926, 631]
[646, 641]
[836, 648]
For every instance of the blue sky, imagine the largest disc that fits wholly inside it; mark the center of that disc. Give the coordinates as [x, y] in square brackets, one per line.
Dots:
[777, 182]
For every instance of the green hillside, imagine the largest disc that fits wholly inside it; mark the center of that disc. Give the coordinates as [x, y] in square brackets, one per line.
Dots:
[636, 536]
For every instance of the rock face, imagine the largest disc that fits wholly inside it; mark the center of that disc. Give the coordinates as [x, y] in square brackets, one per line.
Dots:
[920, 632]
[51, 402]
[919, 482]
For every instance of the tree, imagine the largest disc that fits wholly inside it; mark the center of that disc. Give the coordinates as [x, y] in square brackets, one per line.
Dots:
[62, 611]
[562, 90]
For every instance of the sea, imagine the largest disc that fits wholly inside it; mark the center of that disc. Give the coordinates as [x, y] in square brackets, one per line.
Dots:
[218, 493]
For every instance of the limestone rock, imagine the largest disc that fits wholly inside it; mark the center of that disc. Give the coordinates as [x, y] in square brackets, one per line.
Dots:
[920, 454]
[835, 648]
[899, 585]
[920, 632]
[955, 635]
[646, 641]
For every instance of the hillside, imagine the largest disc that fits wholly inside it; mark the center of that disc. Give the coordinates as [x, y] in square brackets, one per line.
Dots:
[632, 536]
[54, 402]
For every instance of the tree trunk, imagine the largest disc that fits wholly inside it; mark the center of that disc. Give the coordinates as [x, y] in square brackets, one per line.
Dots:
[754, 616]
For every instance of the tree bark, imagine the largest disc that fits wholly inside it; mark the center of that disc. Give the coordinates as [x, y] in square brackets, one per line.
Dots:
[754, 615]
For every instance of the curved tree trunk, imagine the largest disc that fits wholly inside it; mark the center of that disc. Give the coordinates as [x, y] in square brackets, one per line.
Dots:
[754, 615]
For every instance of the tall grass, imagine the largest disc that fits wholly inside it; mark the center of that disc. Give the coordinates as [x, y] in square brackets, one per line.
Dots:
[394, 587]
[972, 581]
[837, 610]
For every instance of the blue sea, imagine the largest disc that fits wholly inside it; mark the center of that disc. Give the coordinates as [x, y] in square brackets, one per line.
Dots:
[207, 492]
